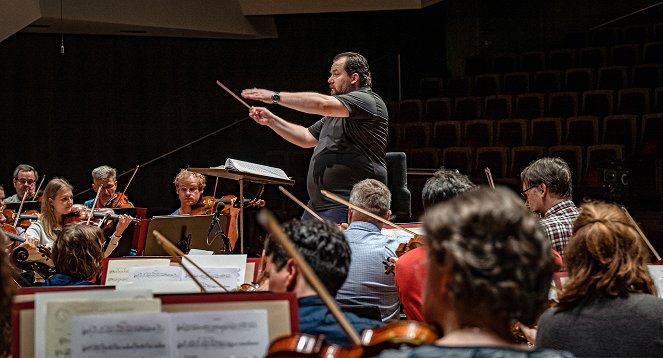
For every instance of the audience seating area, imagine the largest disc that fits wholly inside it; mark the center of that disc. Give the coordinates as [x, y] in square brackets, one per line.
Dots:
[598, 103]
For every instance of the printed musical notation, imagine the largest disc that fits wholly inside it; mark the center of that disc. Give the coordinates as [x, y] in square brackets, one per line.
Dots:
[118, 269]
[184, 334]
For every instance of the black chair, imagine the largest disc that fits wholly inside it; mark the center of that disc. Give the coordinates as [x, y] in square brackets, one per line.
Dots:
[401, 198]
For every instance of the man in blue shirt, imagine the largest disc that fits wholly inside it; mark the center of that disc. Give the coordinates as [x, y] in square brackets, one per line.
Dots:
[324, 248]
[367, 284]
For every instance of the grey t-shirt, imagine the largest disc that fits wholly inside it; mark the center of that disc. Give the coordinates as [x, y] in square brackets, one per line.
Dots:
[431, 351]
[629, 326]
[349, 149]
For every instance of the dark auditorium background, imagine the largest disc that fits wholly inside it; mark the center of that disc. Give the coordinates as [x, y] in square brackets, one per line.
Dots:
[127, 99]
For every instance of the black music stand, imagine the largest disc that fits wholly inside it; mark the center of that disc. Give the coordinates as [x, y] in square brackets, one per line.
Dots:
[179, 228]
[241, 176]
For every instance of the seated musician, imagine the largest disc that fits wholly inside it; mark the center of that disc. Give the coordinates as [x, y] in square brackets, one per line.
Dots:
[6, 298]
[25, 183]
[367, 284]
[77, 255]
[105, 177]
[327, 252]
[488, 263]
[189, 187]
[410, 270]
[608, 307]
[56, 202]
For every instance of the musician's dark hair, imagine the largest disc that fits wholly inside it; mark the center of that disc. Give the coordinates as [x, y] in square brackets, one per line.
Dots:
[443, 185]
[355, 62]
[606, 257]
[25, 168]
[6, 299]
[77, 251]
[552, 171]
[497, 255]
[322, 245]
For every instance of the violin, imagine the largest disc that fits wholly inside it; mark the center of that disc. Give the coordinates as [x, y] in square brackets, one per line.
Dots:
[81, 213]
[38, 260]
[118, 200]
[25, 218]
[373, 341]
[403, 247]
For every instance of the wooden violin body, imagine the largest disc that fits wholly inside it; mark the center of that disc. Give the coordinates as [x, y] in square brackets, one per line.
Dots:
[81, 213]
[25, 218]
[119, 200]
[38, 260]
[413, 243]
[373, 341]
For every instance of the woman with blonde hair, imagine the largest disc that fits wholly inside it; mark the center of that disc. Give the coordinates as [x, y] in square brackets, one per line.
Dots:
[608, 306]
[56, 202]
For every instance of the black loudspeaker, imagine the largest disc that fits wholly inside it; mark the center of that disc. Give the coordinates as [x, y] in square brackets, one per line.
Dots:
[401, 200]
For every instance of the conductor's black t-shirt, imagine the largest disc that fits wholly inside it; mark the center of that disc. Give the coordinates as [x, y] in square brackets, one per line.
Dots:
[349, 149]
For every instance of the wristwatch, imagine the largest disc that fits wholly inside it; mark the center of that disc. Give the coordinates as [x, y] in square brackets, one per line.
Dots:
[276, 97]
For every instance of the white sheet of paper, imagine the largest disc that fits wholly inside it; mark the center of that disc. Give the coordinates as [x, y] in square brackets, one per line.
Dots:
[119, 269]
[220, 333]
[219, 261]
[126, 336]
[154, 273]
[59, 314]
[200, 252]
[227, 276]
[160, 287]
[400, 235]
[42, 298]
[656, 273]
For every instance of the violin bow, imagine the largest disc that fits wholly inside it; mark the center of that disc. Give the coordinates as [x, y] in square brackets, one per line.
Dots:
[94, 203]
[233, 94]
[178, 255]
[215, 185]
[489, 176]
[338, 199]
[18, 213]
[266, 218]
[642, 235]
[305, 207]
[34, 196]
[122, 193]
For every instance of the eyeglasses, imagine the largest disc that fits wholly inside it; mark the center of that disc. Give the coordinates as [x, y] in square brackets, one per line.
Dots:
[523, 193]
[25, 181]
[188, 190]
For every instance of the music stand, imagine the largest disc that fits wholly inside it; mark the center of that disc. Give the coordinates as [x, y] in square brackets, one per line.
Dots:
[240, 176]
[179, 227]
[124, 245]
[27, 205]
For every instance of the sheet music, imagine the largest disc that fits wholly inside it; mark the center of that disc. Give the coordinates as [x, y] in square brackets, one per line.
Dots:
[400, 235]
[126, 336]
[656, 273]
[241, 333]
[59, 314]
[118, 269]
[227, 276]
[154, 273]
[220, 333]
[253, 168]
[42, 298]
[218, 261]
[160, 287]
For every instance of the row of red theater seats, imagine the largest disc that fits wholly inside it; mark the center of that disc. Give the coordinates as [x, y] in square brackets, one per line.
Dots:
[564, 58]
[638, 101]
[544, 81]
[638, 134]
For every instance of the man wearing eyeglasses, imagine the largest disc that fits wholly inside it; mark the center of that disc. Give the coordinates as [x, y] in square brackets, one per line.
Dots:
[546, 184]
[25, 178]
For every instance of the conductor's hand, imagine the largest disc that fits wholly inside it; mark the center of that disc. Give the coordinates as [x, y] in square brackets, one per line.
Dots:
[258, 94]
[261, 115]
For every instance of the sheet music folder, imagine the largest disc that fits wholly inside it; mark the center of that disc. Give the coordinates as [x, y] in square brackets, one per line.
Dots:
[176, 228]
[239, 170]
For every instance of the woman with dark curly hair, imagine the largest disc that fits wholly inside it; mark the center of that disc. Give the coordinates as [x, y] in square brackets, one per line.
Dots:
[6, 296]
[488, 265]
[608, 306]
